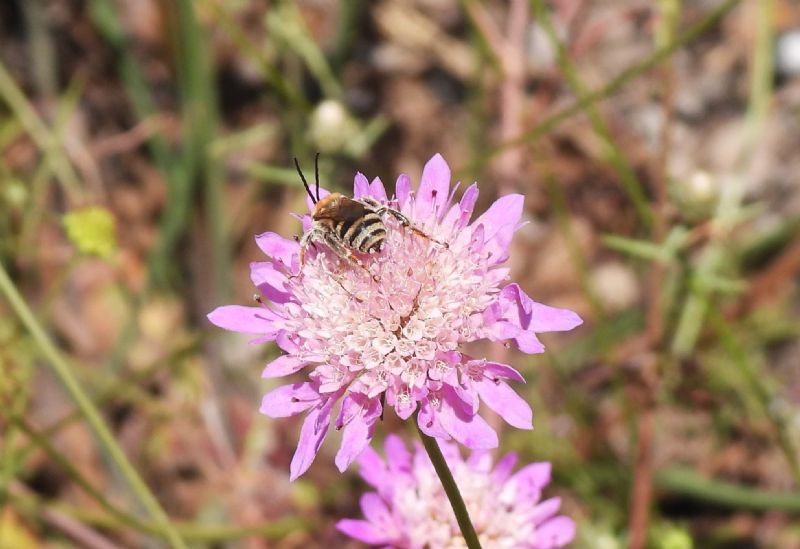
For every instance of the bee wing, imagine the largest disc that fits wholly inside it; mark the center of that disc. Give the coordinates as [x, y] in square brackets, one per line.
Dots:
[346, 210]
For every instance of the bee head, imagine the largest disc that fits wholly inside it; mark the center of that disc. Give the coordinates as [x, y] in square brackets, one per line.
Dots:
[328, 207]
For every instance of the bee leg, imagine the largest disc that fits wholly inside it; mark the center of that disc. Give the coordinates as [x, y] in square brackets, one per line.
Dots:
[406, 222]
[346, 254]
[308, 238]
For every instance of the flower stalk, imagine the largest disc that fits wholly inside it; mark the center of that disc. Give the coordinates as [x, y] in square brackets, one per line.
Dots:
[450, 488]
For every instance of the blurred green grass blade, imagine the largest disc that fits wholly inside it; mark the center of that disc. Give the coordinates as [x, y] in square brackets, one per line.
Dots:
[254, 136]
[45, 139]
[729, 210]
[200, 119]
[274, 174]
[367, 137]
[691, 484]
[614, 85]
[630, 181]
[644, 249]
[191, 167]
[286, 23]
[756, 382]
[93, 416]
[273, 76]
[75, 475]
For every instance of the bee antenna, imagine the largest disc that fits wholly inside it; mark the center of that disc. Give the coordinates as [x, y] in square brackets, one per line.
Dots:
[316, 173]
[305, 183]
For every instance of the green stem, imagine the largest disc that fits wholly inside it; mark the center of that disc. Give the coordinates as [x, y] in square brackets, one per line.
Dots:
[450, 488]
[92, 415]
[688, 483]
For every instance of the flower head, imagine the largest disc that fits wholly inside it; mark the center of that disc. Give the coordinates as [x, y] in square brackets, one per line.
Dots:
[394, 336]
[411, 511]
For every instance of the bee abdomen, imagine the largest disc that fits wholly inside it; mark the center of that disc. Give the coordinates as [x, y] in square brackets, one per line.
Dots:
[365, 234]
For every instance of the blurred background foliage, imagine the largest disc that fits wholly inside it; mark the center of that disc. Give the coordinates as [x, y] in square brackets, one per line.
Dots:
[144, 142]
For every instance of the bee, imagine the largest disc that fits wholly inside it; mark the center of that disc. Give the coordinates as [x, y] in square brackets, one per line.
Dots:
[348, 225]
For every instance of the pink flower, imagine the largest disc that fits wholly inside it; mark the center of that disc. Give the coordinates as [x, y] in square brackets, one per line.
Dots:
[411, 511]
[395, 337]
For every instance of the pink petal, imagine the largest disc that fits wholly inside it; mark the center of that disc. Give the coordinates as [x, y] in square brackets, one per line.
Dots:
[480, 461]
[360, 186]
[269, 281]
[433, 189]
[397, 455]
[495, 369]
[372, 468]
[503, 468]
[530, 315]
[375, 510]
[363, 531]
[499, 244]
[544, 510]
[311, 437]
[527, 342]
[467, 204]
[352, 406]
[429, 423]
[556, 532]
[358, 429]
[508, 404]
[402, 189]
[283, 366]
[275, 246]
[506, 210]
[377, 191]
[532, 478]
[355, 437]
[247, 320]
[289, 400]
[473, 432]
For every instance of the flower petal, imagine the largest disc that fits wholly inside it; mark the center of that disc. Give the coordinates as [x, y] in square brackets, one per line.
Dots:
[289, 400]
[495, 369]
[556, 532]
[532, 478]
[377, 190]
[429, 423]
[358, 429]
[269, 281]
[508, 404]
[247, 320]
[360, 186]
[467, 204]
[311, 437]
[433, 189]
[277, 247]
[544, 510]
[372, 468]
[530, 315]
[363, 531]
[375, 510]
[503, 468]
[506, 210]
[402, 189]
[355, 437]
[283, 366]
[473, 432]
[398, 458]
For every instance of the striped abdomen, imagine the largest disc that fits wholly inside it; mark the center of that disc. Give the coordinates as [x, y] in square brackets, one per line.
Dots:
[365, 233]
